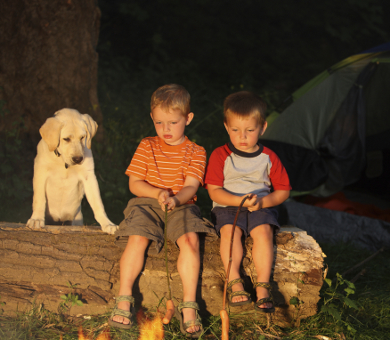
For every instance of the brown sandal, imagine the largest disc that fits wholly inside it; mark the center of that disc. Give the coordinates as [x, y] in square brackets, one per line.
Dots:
[258, 303]
[232, 294]
[125, 313]
[190, 323]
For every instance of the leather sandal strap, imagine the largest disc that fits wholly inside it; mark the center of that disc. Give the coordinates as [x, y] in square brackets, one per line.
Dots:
[122, 312]
[187, 304]
[117, 311]
[192, 323]
[264, 300]
[233, 282]
[239, 293]
[127, 298]
[265, 285]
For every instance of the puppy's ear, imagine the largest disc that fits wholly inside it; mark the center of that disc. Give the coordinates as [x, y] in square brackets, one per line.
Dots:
[91, 128]
[50, 132]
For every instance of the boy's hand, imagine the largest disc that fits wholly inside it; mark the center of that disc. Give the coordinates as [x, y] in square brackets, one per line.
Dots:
[253, 203]
[163, 195]
[164, 199]
[171, 202]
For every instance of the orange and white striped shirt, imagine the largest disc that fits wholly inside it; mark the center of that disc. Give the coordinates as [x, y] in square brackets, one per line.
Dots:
[167, 166]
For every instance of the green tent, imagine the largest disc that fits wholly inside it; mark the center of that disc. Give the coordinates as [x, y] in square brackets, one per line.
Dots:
[337, 127]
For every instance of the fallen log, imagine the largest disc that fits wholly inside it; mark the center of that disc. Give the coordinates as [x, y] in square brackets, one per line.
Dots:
[37, 267]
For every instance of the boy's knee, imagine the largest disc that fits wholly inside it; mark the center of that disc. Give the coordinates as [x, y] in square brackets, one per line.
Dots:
[189, 240]
[264, 230]
[137, 240]
[226, 232]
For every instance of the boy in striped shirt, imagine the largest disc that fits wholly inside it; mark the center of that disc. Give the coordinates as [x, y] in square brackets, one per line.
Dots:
[165, 170]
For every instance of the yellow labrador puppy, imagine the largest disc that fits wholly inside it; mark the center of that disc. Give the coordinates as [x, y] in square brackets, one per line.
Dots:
[64, 172]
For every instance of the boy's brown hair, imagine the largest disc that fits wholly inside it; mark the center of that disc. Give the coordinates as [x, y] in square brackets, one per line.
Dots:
[245, 104]
[171, 96]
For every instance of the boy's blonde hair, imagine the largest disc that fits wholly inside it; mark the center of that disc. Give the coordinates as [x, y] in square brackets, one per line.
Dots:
[171, 96]
[244, 104]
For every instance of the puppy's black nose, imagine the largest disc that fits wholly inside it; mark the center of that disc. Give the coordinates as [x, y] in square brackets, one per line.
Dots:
[77, 160]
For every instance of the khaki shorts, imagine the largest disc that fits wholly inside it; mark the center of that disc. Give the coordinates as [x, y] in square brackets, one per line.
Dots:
[144, 217]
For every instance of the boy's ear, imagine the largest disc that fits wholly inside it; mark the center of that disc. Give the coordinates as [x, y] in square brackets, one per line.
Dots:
[264, 128]
[151, 115]
[226, 127]
[190, 117]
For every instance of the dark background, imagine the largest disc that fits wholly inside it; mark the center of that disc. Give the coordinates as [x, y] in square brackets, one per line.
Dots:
[213, 48]
[262, 45]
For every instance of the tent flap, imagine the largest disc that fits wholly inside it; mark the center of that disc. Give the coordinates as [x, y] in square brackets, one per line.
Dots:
[330, 119]
[312, 170]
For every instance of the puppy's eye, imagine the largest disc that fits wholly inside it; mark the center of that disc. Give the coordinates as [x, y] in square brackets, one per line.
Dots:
[67, 139]
[82, 138]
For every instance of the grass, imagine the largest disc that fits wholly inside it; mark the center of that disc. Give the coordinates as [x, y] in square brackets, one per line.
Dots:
[371, 319]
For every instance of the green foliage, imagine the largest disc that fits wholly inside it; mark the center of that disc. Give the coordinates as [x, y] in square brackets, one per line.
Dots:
[337, 302]
[366, 315]
[295, 300]
[69, 300]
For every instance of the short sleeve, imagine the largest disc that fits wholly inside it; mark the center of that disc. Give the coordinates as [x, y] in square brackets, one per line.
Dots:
[278, 174]
[215, 166]
[198, 164]
[139, 163]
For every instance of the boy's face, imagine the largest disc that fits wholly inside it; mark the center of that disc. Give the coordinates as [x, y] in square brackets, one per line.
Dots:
[244, 133]
[170, 124]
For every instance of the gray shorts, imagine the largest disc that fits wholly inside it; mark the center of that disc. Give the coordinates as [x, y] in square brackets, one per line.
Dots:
[144, 217]
[246, 221]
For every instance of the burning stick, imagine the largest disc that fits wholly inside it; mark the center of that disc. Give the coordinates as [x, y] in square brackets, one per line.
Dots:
[169, 305]
[223, 313]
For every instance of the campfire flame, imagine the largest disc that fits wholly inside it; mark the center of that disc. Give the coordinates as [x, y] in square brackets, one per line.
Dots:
[150, 329]
[105, 335]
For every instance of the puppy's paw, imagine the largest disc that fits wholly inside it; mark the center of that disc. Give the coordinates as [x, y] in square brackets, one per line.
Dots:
[35, 223]
[110, 229]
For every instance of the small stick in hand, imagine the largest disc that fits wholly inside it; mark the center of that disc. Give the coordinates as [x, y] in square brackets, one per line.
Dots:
[169, 305]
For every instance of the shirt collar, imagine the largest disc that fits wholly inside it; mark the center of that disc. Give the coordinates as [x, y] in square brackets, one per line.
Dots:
[246, 154]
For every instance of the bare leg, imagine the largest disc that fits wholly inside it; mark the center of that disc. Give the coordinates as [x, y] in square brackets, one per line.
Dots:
[226, 234]
[263, 257]
[188, 265]
[131, 264]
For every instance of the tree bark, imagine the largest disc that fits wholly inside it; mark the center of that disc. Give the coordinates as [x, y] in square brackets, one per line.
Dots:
[39, 264]
[48, 61]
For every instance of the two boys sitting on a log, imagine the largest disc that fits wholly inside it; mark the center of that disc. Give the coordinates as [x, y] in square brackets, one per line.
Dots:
[167, 170]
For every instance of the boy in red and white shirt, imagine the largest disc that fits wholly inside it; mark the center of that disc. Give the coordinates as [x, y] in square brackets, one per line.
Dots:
[244, 167]
[165, 170]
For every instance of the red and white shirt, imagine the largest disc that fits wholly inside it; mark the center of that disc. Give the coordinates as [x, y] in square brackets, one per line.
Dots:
[241, 173]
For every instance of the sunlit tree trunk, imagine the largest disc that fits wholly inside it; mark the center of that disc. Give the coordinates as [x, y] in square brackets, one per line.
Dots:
[48, 61]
